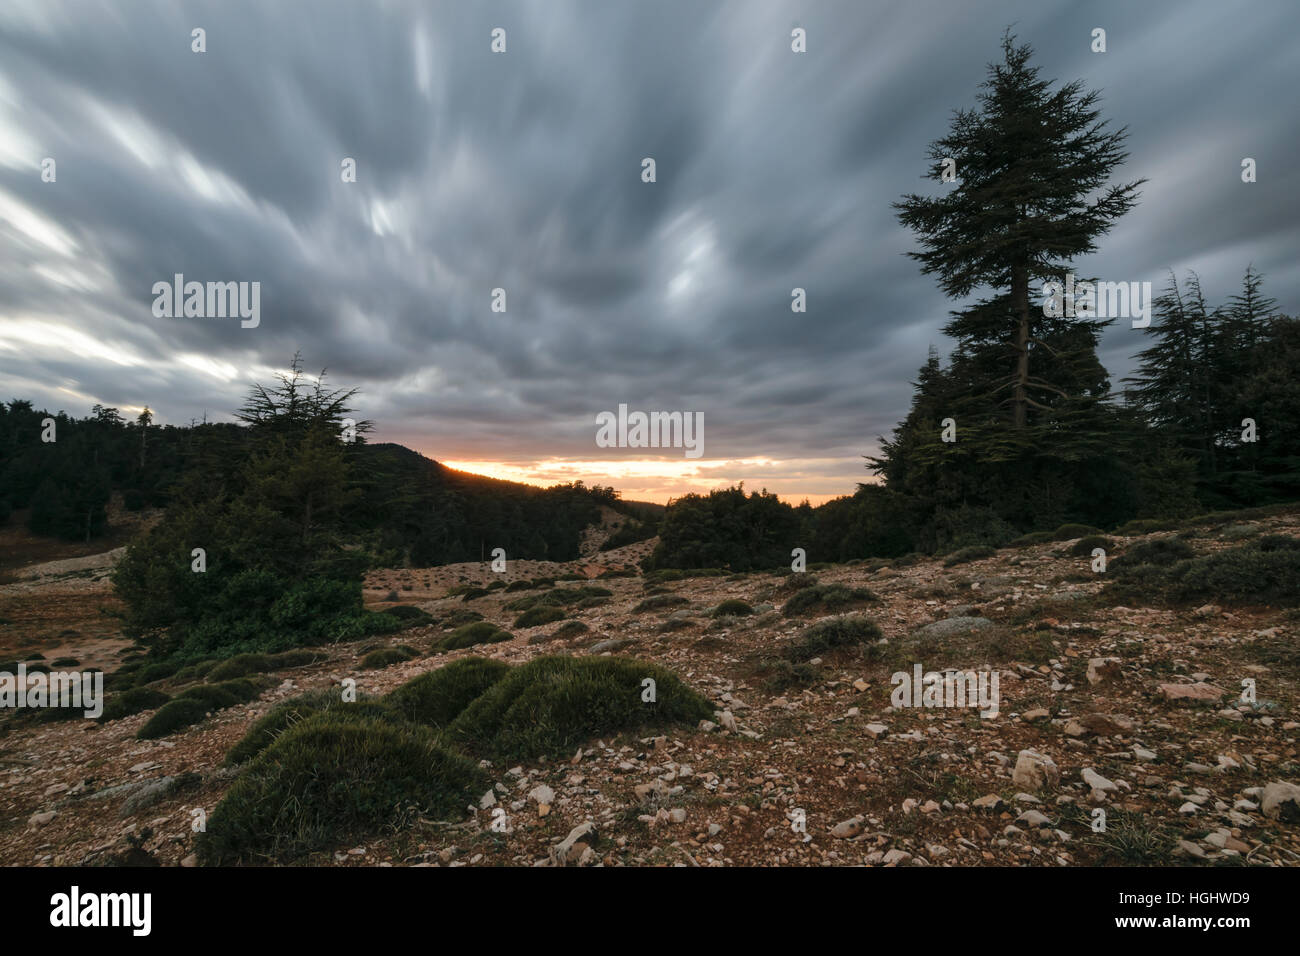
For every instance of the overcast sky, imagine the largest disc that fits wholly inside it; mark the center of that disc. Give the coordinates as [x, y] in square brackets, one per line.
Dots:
[522, 170]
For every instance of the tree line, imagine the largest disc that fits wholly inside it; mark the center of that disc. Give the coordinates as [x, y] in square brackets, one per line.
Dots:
[1021, 429]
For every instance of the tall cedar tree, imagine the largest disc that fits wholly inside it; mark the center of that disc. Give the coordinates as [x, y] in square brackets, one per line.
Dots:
[1029, 163]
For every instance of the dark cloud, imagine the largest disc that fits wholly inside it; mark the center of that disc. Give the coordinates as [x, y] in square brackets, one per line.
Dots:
[523, 171]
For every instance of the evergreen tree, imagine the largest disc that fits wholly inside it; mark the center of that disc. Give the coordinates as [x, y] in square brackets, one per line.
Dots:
[1029, 163]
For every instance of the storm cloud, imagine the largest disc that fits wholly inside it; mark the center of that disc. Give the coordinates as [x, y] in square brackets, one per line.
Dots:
[522, 171]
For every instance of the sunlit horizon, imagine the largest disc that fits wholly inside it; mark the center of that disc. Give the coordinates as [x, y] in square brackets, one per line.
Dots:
[660, 481]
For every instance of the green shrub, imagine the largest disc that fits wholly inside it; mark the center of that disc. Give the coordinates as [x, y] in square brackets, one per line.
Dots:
[468, 635]
[550, 705]
[1158, 552]
[1245, 575]
[664, 575]
[609, 573]
[797, 582]
[1067, 532]
[437, 697]
[569, 629]
[848, 631]
[782, 675]
[658, 602]
[280, 718]
[1083, 547]
[540, 615]
[473, 594]
[520, 586]
[733, 607]
[196, 671]
[173, 716]
[328, 781]
[459, 617]
[155, 671]
[132, 701]
[826, 597]
[241, 665]
[386, 657]
[222, 695]
[1033, 538]
[409, 615]
[1145, 526]
[973, 553]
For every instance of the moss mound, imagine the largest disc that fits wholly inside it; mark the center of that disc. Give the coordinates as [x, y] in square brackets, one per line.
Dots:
[550, 705]
[264, 732]
[195, 703]
[241, 665]
[973, 553]
[1159, 552]
[468, 635]
[386, 657]
[851, 630]
[173, 716]
[437, 698]
[328, 781]
[1084, 546]
[733, 607]
[826, 597]
[542, 614]
[132, 701]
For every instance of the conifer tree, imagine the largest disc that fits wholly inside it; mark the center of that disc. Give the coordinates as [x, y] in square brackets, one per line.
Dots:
[1030, 195]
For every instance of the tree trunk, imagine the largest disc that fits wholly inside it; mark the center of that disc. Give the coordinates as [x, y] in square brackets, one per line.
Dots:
[1020, 301]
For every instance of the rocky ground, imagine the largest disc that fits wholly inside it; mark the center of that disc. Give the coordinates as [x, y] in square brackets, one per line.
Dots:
[1128, 710]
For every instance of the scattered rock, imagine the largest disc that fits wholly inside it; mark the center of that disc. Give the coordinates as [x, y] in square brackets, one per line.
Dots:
[1035, 771]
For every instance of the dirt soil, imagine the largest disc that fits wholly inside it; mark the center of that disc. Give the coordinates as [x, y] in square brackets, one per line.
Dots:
[820, 770]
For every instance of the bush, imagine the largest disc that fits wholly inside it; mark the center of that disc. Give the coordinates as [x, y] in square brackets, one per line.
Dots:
[1145, 526]
[733, 608]
[173, 716]
[848, 631]
[550, 705]
[222, 695]
[468, 635]
[328, 781]
[972, 553]
[132, 701]
[1084, 546]
[461, 616]
[782, 675]
[409, 615]
[1245, 575]
[726, 528]
[543, 614]
[241, 665]
[659, 602]
[436, 698]
[826, 597]
[1067, 532]
[569, 629]
[1033, 538]
[1159, 552]
[280, 718]
[386, 657]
